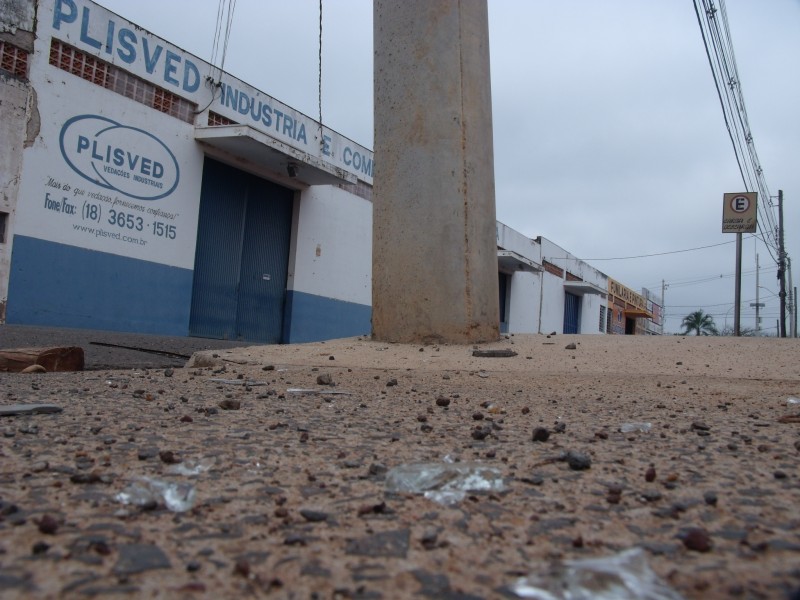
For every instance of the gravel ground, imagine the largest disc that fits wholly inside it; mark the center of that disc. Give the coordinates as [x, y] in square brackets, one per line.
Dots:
[293, 493]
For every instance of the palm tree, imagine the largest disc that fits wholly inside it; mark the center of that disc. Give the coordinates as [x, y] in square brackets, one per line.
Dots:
[700, 323]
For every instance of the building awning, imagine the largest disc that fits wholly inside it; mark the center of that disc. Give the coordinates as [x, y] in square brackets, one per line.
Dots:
[264, 151]
[637, 313]
[508, 260]
[584, 287]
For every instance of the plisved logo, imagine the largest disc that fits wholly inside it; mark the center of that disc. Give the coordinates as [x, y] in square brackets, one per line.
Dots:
[117, 157]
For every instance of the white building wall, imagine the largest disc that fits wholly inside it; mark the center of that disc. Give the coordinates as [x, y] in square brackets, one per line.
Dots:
[510, 239]
[552, 304]
[554, 294]
[19, 124]
[330, 268]
[524, 301]
[14, 102]
[590, 313]
[524, 292]
[333, 250]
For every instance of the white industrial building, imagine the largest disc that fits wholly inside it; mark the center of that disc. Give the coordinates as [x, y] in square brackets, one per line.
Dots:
[144, 190]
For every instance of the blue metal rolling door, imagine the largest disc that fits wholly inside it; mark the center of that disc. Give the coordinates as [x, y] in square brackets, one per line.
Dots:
[242, 256]
[572, 311]
[265, 259]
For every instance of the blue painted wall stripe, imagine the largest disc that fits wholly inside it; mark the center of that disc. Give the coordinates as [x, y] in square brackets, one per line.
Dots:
[58, 285]
[311, 318]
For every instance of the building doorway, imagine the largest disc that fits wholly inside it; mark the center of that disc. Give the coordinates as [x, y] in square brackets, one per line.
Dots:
[242, 256]
[572, 313]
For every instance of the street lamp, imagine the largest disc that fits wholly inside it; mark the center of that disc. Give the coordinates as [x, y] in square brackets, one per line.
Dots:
[726, 316]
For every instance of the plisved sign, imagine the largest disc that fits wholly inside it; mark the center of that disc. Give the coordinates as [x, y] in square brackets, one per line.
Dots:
[739, 214]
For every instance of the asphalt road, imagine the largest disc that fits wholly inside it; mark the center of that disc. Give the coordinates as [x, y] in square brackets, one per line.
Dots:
[112, 349]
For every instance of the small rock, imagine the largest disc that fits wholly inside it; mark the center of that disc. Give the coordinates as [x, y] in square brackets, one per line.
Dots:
[48, 525]
[147, 453]
[295, 539]
[710, 498]
[578, 461]
[34, 369]
[541, 434]
[480, 432]
[614, 494]
[697, 539]
[572, 346]
[230, 404]
[650, 475]
[40, 548]
[391, 383]
[87, 478]
[779, 475]
[651, 496]
[374, 509]
[313, 516]
[533, 480]
[242, 567]
[503, 353]
[377, 470]
[442, 401]
[138, 558]
[168, 457]
[29, 429]
[169, 372]
[324, 379]
[429, 538]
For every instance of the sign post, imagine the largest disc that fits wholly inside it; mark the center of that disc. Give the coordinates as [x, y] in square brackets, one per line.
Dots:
[739, 215]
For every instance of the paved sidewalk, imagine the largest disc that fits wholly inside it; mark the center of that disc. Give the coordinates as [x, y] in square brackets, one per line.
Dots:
[166, 351]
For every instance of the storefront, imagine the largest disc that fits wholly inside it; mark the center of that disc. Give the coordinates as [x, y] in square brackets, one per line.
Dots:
[627, 310]
[157, 194]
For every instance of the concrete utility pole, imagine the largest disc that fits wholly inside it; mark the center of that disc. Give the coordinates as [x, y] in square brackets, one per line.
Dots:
[757, 304]
[781, 267]
[434, 250]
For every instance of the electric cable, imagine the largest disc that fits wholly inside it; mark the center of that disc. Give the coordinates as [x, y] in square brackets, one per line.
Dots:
[718, 44]
[661, 253]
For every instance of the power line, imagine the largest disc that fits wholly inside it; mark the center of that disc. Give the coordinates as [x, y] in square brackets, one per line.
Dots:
[722, 61]
[687, 282]
[663, 253]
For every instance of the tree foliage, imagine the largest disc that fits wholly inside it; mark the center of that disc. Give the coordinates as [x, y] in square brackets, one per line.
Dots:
[700, 323]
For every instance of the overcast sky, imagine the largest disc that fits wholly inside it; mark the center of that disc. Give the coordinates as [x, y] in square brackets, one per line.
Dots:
[609, 138]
